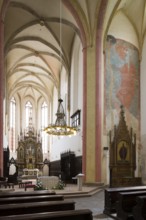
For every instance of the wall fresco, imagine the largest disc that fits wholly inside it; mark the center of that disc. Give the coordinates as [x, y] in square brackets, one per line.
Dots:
[121, 82]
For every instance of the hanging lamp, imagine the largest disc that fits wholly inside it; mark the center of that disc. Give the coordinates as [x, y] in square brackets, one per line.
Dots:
[60, 128]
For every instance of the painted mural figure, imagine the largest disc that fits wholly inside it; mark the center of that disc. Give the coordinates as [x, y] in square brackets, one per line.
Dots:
[121, 80]
[123, 152]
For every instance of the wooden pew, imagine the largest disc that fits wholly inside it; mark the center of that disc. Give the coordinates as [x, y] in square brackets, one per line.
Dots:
[36, 207]
[23, 184]
[29, 193]
[111, 197]
[139, 211]
[126, 202]
[29, 186]
[3, 183]
[27, 199]
[83, 214]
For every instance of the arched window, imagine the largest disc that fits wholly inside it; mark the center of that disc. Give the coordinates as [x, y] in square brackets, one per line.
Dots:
[12, 140]
[28, 113]
[44, 123]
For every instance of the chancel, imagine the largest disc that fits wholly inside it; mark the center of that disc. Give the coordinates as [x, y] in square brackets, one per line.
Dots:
[29, 153]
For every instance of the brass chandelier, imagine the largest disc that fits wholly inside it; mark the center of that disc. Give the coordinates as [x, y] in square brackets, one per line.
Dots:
[60, 127]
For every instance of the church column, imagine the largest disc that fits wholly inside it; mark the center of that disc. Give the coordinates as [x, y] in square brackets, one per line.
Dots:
[89, 134]
[84, 128]
[3, 7]
[88, 129]
[92, 93]
[1, 95]
[69, 4]
[99, 87]
[93, 99]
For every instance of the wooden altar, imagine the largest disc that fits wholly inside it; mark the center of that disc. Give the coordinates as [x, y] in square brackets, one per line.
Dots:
[123, 155]
[29, 153]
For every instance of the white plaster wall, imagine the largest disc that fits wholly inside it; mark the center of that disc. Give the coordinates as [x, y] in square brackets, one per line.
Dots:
[63, 85]
[64, 94]
[63, 144]
[53, 108]
[76, 77]
[60, 145]
[122, 28]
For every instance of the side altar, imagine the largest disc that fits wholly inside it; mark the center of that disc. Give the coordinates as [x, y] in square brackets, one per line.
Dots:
[122, 161]
[29, 154]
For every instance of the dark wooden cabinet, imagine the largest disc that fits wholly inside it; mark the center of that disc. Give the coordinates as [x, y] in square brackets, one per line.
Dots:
[6, 162]
[68, 169]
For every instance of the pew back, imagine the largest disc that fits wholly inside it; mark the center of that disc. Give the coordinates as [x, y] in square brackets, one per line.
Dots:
[27, 199]
[27, 208]
[83, 214]
[111, 197]
[126, 202]
[29, 193]
[139, 211]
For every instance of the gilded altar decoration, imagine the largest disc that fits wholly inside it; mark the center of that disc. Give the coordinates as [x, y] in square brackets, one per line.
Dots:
[29, 152]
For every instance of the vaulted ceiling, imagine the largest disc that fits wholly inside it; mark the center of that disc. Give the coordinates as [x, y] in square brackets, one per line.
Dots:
[37, 33]
[39, 36]
[135, 14]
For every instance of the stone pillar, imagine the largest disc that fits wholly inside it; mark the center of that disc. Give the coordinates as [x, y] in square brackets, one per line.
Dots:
[89, 120]
[92, 90]
[3, 7]
[99, 88]
[1, 94]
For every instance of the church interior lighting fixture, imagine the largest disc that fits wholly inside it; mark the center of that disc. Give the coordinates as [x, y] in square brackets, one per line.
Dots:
[60, 128]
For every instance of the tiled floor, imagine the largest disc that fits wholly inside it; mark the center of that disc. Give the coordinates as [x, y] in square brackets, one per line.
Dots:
[95, 203]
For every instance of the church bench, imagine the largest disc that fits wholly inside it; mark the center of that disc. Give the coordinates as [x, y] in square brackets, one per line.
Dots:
[27, 199]
[29, 193]
[139, 210]
[3, 183]
[126, 202]
[23, 184]
[36, 207]
[83, 214]
[111, 197]
[6, 184]
[29, 186]
[10, 185]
